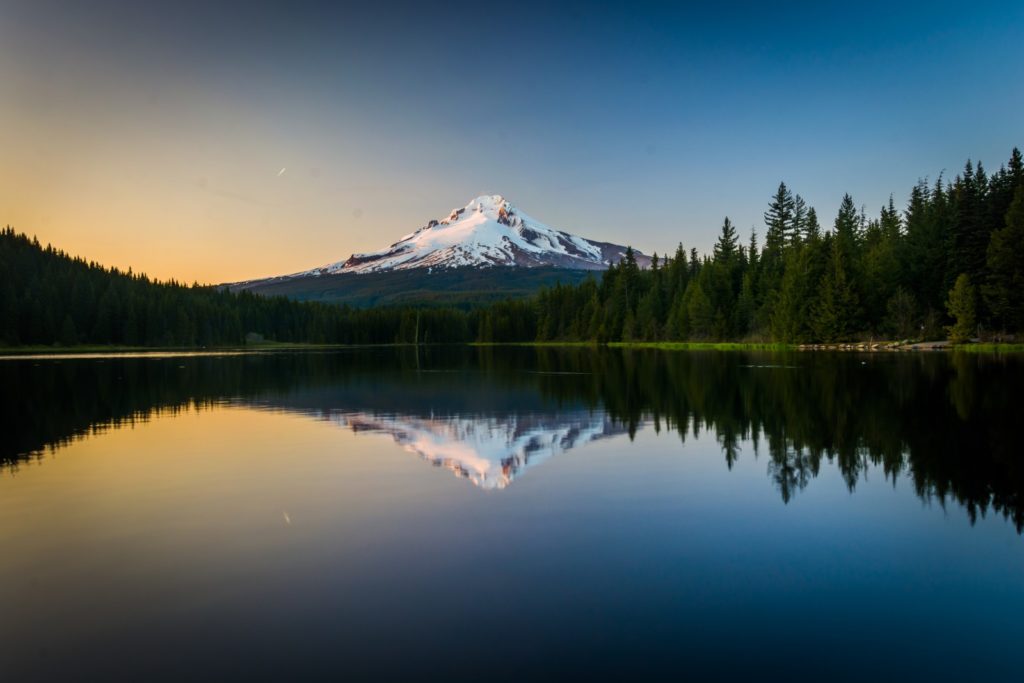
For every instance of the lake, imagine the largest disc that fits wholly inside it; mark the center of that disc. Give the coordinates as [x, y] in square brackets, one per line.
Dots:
[512, 513]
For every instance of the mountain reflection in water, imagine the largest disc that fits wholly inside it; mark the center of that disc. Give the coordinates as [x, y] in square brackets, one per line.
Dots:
[487, 414]
[488, 451]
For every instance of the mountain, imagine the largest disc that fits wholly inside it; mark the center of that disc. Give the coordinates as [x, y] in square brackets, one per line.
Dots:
[486, 250]
[489, 231]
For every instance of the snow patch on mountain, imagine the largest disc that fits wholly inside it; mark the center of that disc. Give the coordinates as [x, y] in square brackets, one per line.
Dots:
[489, 231]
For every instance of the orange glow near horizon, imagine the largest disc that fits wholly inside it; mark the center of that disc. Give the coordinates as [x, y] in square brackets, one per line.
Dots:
[194, 205]
[174, 178]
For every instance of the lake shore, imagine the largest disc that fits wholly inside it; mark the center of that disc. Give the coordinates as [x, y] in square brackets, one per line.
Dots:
[104, 350]
[863, 347]
[874, 346]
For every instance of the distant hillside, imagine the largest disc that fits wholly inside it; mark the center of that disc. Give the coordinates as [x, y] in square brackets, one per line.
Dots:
[462, 287]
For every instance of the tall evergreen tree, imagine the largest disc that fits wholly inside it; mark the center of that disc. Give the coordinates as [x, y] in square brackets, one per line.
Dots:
[779, 219]
[726, 249]
[798, 226]
[836, 312]
[962, 307]
[970, 230]
[1004, 289]
[812, 229]
[791, 312]
[847, 227]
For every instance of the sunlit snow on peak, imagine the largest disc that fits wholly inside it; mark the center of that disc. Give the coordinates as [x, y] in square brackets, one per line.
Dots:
[488, 231]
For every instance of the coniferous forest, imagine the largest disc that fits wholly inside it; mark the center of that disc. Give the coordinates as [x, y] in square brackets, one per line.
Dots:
[948, 265]
[48, 297]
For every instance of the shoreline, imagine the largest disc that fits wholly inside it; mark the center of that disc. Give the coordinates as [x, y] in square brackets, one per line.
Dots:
[864, 347]
[100, 351]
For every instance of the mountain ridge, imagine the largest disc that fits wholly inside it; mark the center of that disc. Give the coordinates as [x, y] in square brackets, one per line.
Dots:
[487, 231]
[486, 251]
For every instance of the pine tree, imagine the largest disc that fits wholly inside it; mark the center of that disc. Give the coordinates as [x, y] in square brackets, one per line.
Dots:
[1004, 289]
[970, 230]
[805, 268]
[678, 273]
[699, 311]
[836, 310]
[629, 274]
[881, 266]
[847, 227]
[725, 249]
[647, 315]
[677, 326]
[694, 263]
[746, 305]
[799, 222]
[629, 327]
[961, 306]
[890, 221]
[1016, 168]
[790, 314]
[779, 219]
[779, 223]
[812, 230]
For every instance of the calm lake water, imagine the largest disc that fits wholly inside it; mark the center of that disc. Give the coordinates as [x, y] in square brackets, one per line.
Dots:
[474, 514]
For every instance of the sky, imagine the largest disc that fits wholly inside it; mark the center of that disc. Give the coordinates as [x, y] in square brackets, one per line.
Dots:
[216, 144]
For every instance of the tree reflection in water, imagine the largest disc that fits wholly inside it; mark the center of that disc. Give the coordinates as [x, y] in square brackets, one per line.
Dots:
[945, 419]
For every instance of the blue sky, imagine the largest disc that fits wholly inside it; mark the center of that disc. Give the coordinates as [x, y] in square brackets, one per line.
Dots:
[153, 137]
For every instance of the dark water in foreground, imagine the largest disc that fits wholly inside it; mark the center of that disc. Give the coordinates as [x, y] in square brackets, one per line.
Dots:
[613, 514]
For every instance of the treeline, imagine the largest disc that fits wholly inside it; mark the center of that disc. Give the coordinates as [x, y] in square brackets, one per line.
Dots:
[951, 263]
[47, 297]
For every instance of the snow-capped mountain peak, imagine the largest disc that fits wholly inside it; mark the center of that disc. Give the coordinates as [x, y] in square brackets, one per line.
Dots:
[488, 231]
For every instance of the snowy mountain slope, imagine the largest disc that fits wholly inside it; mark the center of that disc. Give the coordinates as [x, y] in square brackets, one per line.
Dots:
[489, 231]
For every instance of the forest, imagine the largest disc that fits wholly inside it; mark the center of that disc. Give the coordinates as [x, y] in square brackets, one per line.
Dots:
[949, 265]
[47, 297]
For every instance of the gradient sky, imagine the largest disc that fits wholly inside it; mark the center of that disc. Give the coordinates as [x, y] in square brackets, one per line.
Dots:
[154, 137]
